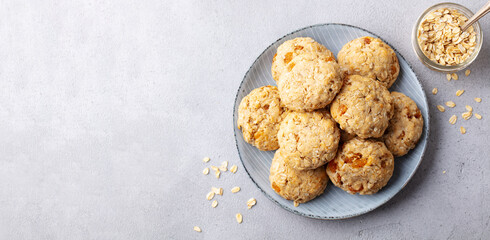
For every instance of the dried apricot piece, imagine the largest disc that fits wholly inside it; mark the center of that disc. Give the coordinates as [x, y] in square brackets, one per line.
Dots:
[288, 57]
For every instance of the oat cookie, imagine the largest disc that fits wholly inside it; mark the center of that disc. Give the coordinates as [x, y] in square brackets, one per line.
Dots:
[294, 47]
[308, 140]
[370, 57]
[311, 84]
[405, 127]
[363, 107]
[297, 185]
[259, 116]
[362, 166]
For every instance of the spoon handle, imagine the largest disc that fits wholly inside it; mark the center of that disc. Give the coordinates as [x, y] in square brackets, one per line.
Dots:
[484, 10]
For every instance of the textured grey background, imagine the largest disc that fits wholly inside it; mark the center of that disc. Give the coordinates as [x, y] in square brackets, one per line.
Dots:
[106, 110]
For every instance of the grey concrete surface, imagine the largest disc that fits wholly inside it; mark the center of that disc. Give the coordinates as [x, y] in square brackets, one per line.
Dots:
[107, 108]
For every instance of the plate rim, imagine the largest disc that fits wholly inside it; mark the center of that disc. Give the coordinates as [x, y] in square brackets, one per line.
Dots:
[427, 124]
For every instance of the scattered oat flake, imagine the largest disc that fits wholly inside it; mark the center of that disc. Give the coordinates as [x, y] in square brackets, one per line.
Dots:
[217, 174]
[467, 72]
[434, 91]
[251, 202]
[450, 104]
[220, 191]
[462, 130]
[215, 168]
[296, 204]
[469, 108]
[233, 169]
[239, 218]
[206, 159]
[466, 115]
[477, 116]
[215, 190]
[214, 204]
[448, 76]
[210, 196]
[441, 108]
[459, 92]
[477, 99]
[205, 171]
[222, 168]
[454, 76]
[453, 119]
[444, 172]
[235, 189]
[197, 229]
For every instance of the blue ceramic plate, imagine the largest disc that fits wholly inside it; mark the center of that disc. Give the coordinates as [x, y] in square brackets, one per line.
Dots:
[334, 203]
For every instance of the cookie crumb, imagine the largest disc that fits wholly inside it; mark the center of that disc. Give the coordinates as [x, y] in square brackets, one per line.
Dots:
[235, 189]
[441, 108]
[444, 172]
[251, 202]
[477, 99]
[459, 92]
[453, 119]
[197, 229]
[450, 104]
[434, 91]
[467, 72]
[454, 76]
[206, 159]
[296, 204]
[462, 130]
[233, 169]
[448, 76]
[239, 218]
[205, 171]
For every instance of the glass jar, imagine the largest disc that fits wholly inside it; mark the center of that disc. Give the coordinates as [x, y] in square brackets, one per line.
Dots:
[434, 65]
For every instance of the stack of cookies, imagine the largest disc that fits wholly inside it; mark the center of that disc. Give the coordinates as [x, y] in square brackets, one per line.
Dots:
[331, 120]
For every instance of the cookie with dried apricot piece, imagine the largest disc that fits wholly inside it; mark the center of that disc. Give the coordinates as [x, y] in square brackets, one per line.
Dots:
[294, 47]
[259, 116]
[405, 127]
[370, 57]
[361, 166]
[297, 185]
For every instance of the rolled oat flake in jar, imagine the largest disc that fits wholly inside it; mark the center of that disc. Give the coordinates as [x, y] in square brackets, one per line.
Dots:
[441, 39]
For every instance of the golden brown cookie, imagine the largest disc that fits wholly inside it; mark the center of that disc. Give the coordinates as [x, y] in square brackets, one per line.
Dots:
[259, 116]
[370, 57]
[311, 84]
[297, 185]
[308, 140]
[363, 107]
[405, 127]
[362, 166]
[294, 47]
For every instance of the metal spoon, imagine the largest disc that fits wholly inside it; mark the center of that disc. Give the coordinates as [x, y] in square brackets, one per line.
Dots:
[484, 10]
